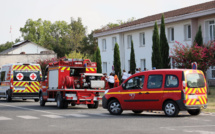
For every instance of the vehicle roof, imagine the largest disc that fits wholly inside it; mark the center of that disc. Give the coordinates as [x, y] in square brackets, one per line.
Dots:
[164, 70]
[19, 64]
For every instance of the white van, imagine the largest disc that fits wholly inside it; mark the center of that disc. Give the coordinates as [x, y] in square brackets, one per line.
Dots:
[20, 81]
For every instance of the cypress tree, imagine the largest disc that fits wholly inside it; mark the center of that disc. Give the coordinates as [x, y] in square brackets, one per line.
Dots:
[156, 54]
[198, 37]
[164, 46]
[98, 61]
[117, 63]
[132, 59]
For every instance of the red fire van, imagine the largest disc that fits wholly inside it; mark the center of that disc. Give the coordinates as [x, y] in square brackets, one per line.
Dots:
[170, 90]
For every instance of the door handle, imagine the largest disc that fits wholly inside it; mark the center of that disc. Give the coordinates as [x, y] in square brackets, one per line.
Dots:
[140, 93]
[147, 93]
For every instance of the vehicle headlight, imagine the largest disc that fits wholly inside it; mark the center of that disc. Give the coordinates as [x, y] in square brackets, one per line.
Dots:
[106, 91]
[84, 80]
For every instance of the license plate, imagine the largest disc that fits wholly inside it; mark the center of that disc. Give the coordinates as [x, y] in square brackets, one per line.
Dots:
[19, 88]
[192, 96]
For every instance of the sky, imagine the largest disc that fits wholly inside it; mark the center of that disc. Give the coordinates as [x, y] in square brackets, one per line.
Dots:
[94, 13]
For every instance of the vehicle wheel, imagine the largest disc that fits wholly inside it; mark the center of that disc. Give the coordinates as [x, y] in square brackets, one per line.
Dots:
[73, 104]
[137, 111]
[36, 100]
[93, 106]
[114, 107]
[42, 102]
[65, 104]
[8, 97]
[171, 109]
[60, 102]
[194, 111]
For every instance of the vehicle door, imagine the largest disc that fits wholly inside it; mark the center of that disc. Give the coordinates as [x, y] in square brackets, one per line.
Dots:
[153, 92]
[131, 94]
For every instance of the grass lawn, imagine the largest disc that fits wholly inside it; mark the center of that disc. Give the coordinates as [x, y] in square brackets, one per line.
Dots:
[211, 101]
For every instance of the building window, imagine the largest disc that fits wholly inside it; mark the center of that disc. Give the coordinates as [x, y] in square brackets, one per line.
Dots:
[143, 64]
[212, 30]
[114, 41]
[104, 67]
[213, 72]
[129, 41]
[104, 47]
[171, 34]
[187, 32]
[142, 39]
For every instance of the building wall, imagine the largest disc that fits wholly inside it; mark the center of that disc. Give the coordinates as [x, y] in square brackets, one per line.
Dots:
[29, 48]
[23, 58]
[146, 51]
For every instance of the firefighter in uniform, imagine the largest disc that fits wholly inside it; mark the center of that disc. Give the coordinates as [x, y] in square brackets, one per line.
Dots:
[116, 84]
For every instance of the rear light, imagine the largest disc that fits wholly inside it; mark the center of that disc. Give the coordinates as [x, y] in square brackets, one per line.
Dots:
[184, 85]
[184, 101]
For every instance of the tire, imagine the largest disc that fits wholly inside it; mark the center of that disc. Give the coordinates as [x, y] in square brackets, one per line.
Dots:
[93, 106]
[36, 100]
[194, 111]
[42, 102]
[60, 102]
[114, 107]
[137, 111]
[65, 104]
[73, 104]
[8, 97]
[171, 109]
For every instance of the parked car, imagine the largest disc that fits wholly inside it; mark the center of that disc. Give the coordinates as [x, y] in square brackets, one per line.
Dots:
[170, 90]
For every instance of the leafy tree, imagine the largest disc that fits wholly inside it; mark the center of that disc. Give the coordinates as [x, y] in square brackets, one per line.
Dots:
[132, 59]
[33, 30]
[5, 46]
[164, 46]
[198, 38]
[98, 61]
[156, 54]
[184, 55]
[77, 55]
[77, 34]
[58, 36]
[89, 44]
[117, 63]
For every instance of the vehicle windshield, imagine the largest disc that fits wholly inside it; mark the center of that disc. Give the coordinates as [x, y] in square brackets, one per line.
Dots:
[26, 75]
[195, 80]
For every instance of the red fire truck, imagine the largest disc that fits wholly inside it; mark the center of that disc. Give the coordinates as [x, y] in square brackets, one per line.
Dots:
[71, 81]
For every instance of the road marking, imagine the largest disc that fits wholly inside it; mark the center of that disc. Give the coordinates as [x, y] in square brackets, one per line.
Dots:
[100, 114]
[2, 118]
[27, 117]
[42, 111]
[199, 126]
[77, 115]
[53, 116]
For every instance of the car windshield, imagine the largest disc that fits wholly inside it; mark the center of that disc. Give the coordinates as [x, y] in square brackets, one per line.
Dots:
[195, 80]
[26, 76]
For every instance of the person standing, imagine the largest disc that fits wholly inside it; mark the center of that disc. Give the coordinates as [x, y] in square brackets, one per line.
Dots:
[137, 70]
[111, 80]
[116, 84]
[129, 73]
[124, 75]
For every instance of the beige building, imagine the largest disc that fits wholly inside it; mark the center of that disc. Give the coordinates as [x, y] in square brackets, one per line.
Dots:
[25, 52]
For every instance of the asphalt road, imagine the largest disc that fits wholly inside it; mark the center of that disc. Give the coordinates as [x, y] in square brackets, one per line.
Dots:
[27, 117]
